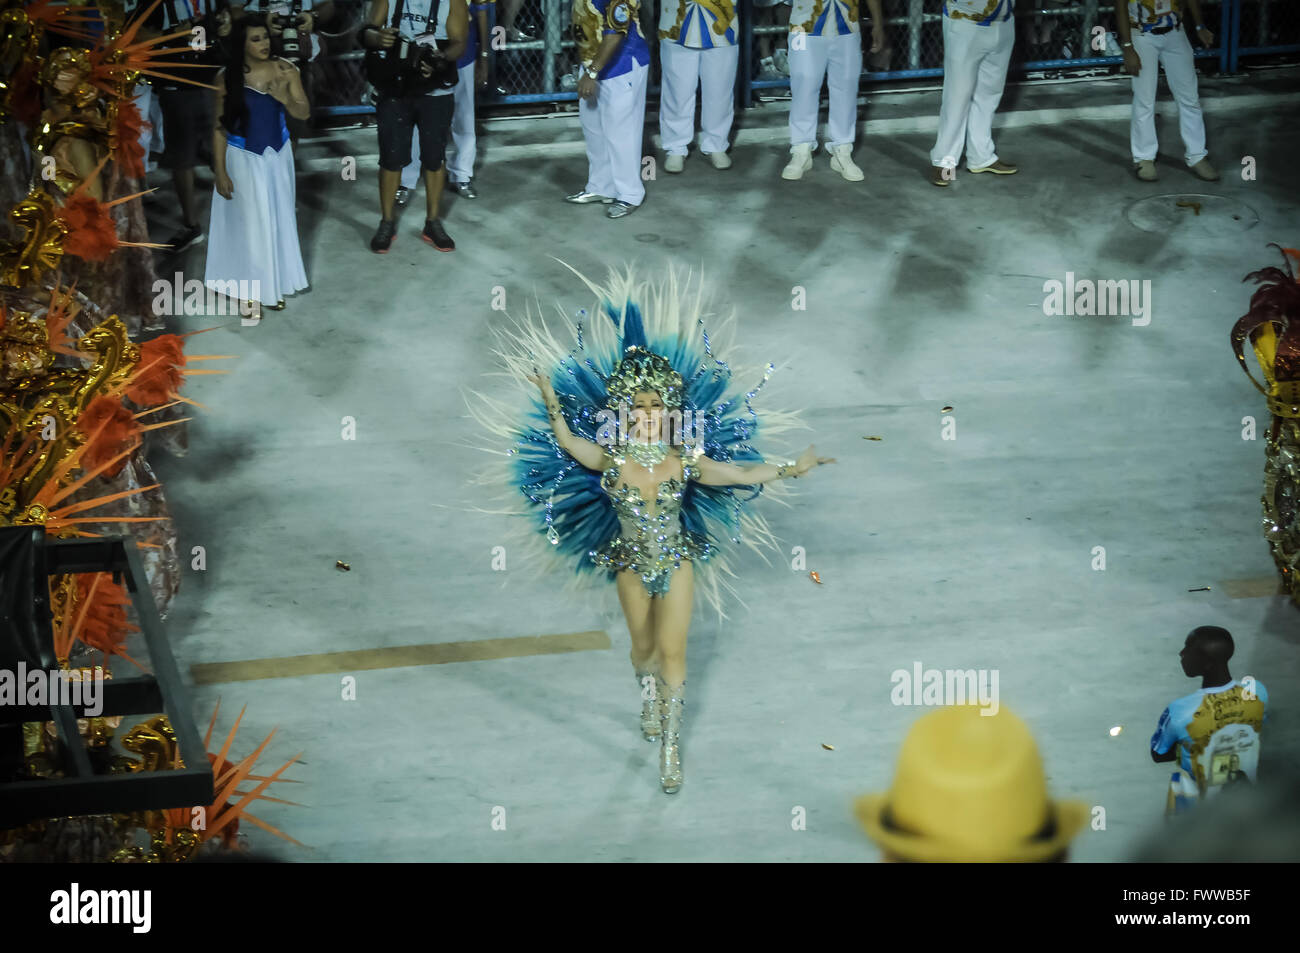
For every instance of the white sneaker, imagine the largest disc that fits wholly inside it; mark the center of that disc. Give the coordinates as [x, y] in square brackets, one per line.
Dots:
[781, 60]
[800, 162]
[720, 160]
[767, 70]
[842, 162]
[674, 163]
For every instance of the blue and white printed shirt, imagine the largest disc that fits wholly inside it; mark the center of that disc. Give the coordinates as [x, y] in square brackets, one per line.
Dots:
[1148, 15]
[824, 17]
[982, 12]
[698, 24]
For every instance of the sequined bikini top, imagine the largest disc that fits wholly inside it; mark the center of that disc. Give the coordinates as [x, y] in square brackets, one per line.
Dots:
[630, 505]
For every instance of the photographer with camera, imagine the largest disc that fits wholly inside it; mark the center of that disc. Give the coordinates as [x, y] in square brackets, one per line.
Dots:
[293, 26]
[463, 147]
[411, 62]
[186, 108]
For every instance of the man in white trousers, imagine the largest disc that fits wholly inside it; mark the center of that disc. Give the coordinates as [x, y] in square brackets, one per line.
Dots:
[977, 39]
[1151, 35]
[826, 43]
[472, 69]
[611, 93]
[697, 49]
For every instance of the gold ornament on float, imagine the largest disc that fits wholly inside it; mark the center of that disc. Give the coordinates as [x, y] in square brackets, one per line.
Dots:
[1272, 325]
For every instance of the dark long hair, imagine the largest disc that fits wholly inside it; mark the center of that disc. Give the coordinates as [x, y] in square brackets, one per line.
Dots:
[235, 117]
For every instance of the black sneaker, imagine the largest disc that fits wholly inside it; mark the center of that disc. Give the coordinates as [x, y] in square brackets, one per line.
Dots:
[384, 236]
[436, 235]
[186, 237]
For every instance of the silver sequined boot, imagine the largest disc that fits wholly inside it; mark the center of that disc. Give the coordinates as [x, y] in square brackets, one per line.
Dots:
[650, 728]
[670, 762]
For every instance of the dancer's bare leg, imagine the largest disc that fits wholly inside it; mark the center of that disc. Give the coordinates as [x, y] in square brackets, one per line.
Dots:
[672, 623]
[638, 610]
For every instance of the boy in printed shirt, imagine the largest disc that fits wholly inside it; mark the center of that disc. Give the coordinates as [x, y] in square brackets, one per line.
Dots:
[825, 43]
[1151, 35]
[1213, 733]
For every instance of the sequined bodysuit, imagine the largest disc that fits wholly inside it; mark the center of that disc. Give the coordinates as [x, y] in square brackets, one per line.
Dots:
[651, 540]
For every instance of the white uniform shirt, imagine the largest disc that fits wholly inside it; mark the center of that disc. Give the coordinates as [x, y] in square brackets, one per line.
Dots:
[698, 24]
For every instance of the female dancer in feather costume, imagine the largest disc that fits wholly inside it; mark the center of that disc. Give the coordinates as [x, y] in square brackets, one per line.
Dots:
[638, 462]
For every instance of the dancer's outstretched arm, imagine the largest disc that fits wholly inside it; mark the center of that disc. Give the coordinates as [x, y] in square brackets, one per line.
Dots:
[590, 454]
[717, 473]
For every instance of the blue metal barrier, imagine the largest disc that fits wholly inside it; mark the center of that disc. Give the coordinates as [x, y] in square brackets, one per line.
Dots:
[917, 26]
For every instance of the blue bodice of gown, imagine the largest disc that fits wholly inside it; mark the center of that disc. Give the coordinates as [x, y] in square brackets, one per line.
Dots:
[265, 126]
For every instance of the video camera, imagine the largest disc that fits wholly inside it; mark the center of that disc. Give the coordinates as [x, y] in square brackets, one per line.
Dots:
[292, 44]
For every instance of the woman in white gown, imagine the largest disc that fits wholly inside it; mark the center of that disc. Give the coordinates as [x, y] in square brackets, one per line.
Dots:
[253, 234]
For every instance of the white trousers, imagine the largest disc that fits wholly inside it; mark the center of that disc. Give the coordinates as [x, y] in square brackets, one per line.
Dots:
[253, 236]
[975, 62]
[838, 60]
[1173, 51]
[684, 69]
[612, 129]
[462, 148]
[151, 135]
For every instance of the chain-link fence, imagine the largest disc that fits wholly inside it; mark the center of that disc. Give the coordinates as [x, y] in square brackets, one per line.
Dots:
[534, 61]
[1264, 28]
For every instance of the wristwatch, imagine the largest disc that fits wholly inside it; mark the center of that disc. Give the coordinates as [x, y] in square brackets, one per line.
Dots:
[592, 71]
[1127, 46]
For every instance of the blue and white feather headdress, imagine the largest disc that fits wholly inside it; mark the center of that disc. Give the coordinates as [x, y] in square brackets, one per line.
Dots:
[567, 512]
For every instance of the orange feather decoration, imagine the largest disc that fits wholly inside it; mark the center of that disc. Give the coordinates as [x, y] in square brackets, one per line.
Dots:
[115, 429]
[128, 153]
[158, 376]
[98, 618]
[92, 233]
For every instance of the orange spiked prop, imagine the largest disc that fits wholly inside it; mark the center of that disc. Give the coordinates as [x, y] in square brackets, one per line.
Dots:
[117, 63]
[76, 22]
[100, 621]
[62, 309]
[223, 816]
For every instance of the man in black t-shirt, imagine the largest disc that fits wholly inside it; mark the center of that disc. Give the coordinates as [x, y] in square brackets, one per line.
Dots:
[187, 109]
[398, 112]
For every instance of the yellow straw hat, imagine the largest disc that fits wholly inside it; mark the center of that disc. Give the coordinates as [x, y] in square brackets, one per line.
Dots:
[969, 788]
